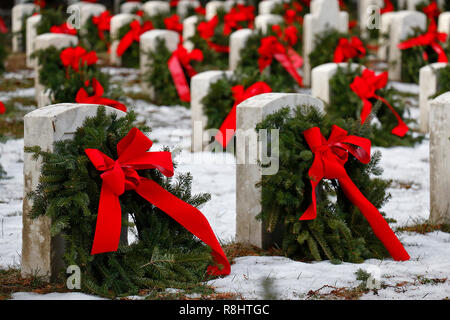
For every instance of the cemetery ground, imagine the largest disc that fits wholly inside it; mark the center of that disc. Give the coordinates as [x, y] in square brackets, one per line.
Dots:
[255, 273]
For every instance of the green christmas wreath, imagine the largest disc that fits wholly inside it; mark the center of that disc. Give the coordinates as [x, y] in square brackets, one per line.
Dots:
[443, 81]
[340, 232]
[50, 18]
[165, 255]
[90, 38]
[3, 51]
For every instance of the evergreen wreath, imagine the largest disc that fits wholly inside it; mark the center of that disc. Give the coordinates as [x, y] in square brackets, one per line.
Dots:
[130, 58]
[165, 254]
[344, 103]
[443, 81]
[50, 18]
[340, 232]
[63, 83]
[91, 39]
[3, 51]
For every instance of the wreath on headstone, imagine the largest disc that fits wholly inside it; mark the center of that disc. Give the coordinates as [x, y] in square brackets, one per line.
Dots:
[50, 18]
[4, 38]
[443, 81]
[97, 32]
[164, 255]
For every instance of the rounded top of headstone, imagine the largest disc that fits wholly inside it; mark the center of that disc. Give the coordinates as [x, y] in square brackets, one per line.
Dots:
[443, 99]
[55, 37]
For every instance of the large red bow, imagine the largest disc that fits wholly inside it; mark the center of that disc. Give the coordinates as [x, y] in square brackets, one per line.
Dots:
[64, 28]
[330, 157]
[206, 30]
[179, 60]
[173, 23]
[136, 29]
[347, 50]
[271, 48]
[121, 174]
[365, 86]
[240, 94]
[431, 38]
[103, 23]
[237, 16]
[77, 56]
[96, 98]
[3, 28]
[388, 7]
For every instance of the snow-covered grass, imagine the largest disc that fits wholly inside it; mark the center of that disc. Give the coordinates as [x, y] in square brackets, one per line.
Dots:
[420, 278]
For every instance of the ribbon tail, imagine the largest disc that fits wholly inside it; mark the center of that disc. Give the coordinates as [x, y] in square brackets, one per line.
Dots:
[287, 64]
[125, 43]
[401, 129]
[379, 225]
[189, 217]
[179, 79]
[109, 222]
[366, 110]
[228, 124]
[442, 57]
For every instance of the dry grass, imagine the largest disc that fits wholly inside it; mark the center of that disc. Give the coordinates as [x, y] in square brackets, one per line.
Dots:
[425, 227]
[16, 61]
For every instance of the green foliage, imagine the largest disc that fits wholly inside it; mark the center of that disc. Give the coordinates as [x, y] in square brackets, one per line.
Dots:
[340, 232]
[344, 103]
[50, 18]
[64, 83]
[325, 45]
[2, 172]
[130, 58]
[91, 39]
[165, 254]
[159, 77]
[443, 81]
[3, 51]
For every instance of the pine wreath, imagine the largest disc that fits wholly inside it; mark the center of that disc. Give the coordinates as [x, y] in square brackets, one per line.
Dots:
[165, 254]
[130, 58]
[344, 103]
[340, 232]
[443, 81]
[3, 51]
[91, 39]
[50, 18]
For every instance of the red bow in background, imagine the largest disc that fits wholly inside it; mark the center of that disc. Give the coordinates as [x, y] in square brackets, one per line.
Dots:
[431, 38]
[180, 60]
[206, 30]
[75, 57]
[103, 23]
[96, 98]
[347, 50]
[173, 23]
[432, 10]
[3, 28]
[330, 157]
[200, 10]
[133, 35]
[40, 3]
[2, 108]
[271, 48]
[289, 34]
[365, 87]
[121, 175]
[240, 94]
[64, 28]
[238, 15]
[388, 7]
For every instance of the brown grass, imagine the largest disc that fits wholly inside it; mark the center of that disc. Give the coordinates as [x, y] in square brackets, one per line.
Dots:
[16, 61]
[426, 227]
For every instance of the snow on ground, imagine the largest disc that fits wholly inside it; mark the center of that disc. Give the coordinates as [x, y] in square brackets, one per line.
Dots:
[215, 173]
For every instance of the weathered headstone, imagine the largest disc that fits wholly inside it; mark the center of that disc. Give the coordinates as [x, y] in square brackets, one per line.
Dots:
[42, 253]
[148, 43]
[385, 28]
[444, 23]
[32, 23]
[440, 160]
[248, 152]
[42, 42]
[117, 22]
[238, 39]
[321, 76]
[324, 15]
[130, 7]
[428, 83]
[153, 8]
[402, 25]
[19, 12]
[212, 7]
[200, 84]
[184, 6]
[86, 10]
[264, 21]
[189, 30]
[366, 8]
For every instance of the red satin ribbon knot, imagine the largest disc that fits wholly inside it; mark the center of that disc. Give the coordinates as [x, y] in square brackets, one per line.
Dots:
[64, 28]
[75, 57]
[179, 60]
[121, 175]
[228, 127]
[330, 157]
[237, 16]
[271, 48]
[206, 30]
[432, 10]
[103, 23]
[431, 38]
[365, 87]
[96, 98]
[136, 30]
[347, 50]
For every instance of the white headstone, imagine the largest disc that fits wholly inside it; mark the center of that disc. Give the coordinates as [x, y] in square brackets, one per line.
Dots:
[148, 43]
[189, 30]
[212, 7]
[117, 22]
[200, 84]
[264, 21]
[19, 12]
[153, 8]
[428, 83]
[184, 6]
[248, 173]
[444, 23]
[440, 160]
[42, 253]
[130, 7]
[324, 15]
[266, 7]
[385, 28]
[42, 42]
[32, 23]
[238, 39]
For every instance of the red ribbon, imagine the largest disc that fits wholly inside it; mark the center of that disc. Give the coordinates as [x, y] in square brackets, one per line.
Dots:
[2, 108]
[173, 23]
[121, 175]
[64, 28]
[432, 10]
[388, 7]
[228, 127]
[431, 38]
[77, 56]
[347, 50]
[40, 3]
[365, 87]
[330, 157]
[3, 28]
[136, 29]
[206, 30]
[96, 98]
[271, 48]
[180, 60]
[103, 23]
[238, 15]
